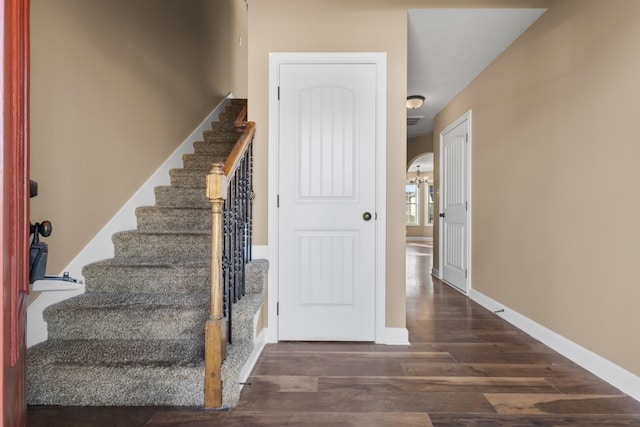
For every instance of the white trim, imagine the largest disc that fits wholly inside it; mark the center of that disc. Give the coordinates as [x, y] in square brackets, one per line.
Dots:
[615, 375]
[396, 336]
[101, 246]
[436, 273]
[260, 252]
[466, 116]
[258, 346]
[380, 59]
[418, 210]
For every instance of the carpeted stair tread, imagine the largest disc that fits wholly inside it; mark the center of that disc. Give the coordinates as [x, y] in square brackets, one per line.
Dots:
[118, 353]
[173, 196]
[189, 177]
[221, 135]
[151, 245]
[168, 262]
[116, 386]
[256, 276]
[202, 161]
[243, 312]
[237, 355]
[173, 219]
[128, 316]
[213, 147]
[125, 275]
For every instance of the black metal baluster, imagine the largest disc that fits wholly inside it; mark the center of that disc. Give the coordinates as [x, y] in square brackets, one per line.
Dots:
[238, 234]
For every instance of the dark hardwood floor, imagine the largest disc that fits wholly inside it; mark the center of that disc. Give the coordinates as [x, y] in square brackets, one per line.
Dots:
[464, 367]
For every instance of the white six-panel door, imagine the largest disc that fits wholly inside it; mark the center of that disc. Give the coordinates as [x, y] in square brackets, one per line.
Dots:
[454, 204]
[327, 164]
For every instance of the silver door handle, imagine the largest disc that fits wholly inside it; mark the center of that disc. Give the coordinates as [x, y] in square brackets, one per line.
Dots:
[366, 216]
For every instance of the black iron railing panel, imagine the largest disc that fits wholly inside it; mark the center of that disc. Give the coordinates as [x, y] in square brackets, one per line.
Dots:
[237, 228]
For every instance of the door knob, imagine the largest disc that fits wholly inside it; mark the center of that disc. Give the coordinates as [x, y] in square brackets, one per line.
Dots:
[366, 216]
[442, 215]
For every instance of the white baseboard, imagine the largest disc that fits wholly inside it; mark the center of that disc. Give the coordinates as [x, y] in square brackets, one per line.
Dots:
[258, 346]
[396, 336]
[101, 246]
[260, 252]
[419, 239]
[615, 375]
[436, 273]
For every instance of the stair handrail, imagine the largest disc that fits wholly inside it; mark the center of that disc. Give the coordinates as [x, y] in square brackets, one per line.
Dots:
[239, 150]
[217, 331]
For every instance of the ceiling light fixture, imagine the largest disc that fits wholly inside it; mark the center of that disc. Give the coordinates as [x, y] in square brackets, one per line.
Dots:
[415, 101]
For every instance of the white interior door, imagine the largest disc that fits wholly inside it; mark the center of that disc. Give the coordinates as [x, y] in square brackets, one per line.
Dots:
[327, 200]
[454, 204]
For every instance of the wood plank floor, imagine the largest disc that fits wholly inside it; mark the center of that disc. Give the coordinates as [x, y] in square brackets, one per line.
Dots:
[464, 367]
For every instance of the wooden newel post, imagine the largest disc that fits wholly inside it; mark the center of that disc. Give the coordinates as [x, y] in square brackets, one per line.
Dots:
[215, 329]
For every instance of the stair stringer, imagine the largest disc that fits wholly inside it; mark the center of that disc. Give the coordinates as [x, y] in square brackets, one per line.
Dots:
[248, 342]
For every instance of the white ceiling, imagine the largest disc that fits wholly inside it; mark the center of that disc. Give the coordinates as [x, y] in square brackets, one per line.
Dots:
[448, 48]
[425, 162]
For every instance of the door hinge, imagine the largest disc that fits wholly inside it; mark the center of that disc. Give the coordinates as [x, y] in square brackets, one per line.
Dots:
[466, 273]
[277, 309]
[278, 93]
[467, 133]
[466, 206]
[278, 201]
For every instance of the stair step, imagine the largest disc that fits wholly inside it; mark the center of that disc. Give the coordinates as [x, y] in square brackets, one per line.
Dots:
[190, 275]
[116, 373]
[243, 313]
[202, 161]
[221, 135]
[237, 355]
[208, 148]
[118, 352]
[145, 316]
[192, 178]
[154, 245]
[229, 115]
[173, 219]
[182, 197]
[256, 275]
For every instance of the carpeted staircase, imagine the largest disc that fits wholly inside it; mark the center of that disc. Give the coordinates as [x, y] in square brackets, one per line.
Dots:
[136, 336]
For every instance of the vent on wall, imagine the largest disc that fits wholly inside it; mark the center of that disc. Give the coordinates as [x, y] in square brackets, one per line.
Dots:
[413, 120]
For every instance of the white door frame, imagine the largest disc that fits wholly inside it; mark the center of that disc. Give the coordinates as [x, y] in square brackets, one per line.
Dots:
[380, 59]
[465, 116]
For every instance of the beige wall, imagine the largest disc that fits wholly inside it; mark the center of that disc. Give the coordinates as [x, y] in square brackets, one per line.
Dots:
[554, 128]
[116, 86]
[419, 145]
[416, 147]
[339, 26]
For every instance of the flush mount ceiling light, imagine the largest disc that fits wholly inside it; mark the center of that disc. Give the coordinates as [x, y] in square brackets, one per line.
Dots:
[415, 101]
